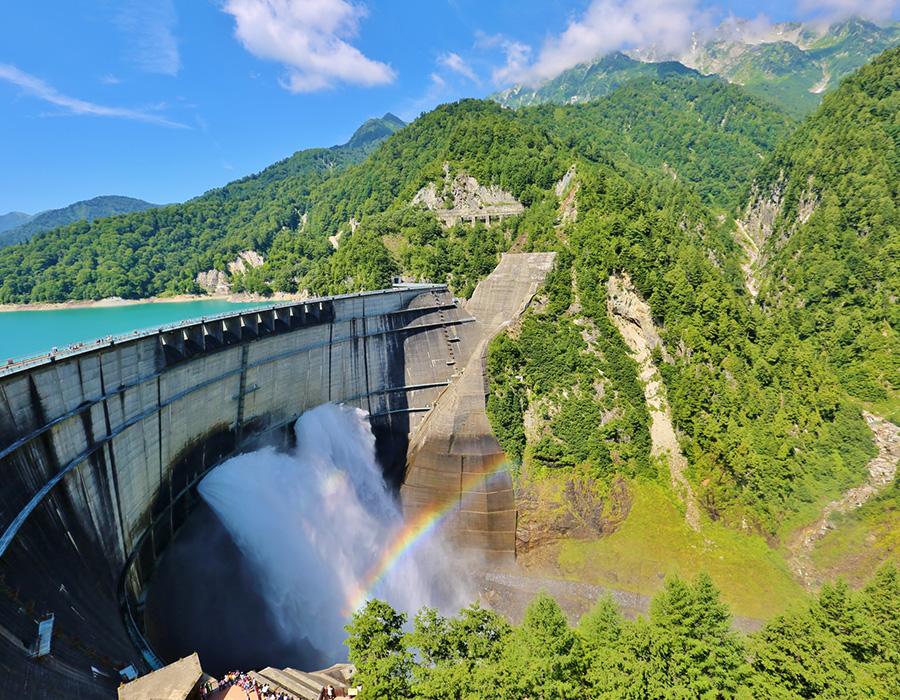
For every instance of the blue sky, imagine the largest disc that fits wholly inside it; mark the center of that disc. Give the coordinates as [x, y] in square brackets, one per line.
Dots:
[164, 99]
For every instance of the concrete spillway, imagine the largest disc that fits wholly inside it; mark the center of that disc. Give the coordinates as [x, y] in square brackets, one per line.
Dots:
[101, 449]
[454, 456]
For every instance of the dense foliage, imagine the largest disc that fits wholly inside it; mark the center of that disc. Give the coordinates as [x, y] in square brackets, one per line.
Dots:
[702, 131]
[764, 424]
[841, 645]
[832, 260]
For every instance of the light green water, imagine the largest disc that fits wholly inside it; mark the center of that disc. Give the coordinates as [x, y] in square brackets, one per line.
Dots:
[29, 333]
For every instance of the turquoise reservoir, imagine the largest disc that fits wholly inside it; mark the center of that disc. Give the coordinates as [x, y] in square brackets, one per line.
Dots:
[28, 333]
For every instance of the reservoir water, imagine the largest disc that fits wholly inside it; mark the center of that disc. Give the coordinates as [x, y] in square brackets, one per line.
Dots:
[28, 333]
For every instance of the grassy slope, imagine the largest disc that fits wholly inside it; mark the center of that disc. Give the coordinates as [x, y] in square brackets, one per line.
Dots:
[654, 541]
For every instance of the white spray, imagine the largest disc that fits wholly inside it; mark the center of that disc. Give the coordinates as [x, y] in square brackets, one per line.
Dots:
[314, 521]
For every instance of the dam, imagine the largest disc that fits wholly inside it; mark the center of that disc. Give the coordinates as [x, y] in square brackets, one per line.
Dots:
[102, 446]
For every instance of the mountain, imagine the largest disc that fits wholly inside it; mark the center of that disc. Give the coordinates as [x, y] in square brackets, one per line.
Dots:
[589, 81]
[162, 250]
[86, 210]
[13, 219]
[822, 230]
[702, 131]
[374, 130]
[790, 64]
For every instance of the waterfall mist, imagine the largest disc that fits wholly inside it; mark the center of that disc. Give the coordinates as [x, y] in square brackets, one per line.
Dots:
[313, 522]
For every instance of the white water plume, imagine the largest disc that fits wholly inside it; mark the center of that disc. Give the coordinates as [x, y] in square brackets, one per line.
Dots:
[314, 521]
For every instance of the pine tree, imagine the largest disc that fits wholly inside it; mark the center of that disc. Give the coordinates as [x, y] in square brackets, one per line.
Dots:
[541, 656]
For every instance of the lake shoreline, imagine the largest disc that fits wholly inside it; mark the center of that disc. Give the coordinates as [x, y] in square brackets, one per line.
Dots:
[112, 302]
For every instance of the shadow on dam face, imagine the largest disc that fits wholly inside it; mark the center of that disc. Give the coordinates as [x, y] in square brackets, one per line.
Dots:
[205, 597]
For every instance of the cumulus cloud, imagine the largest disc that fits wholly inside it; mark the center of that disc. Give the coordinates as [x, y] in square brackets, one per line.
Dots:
[151, 28]
[835, 10]
[457, 64]
[36, 87]
[310, 38]
[606, 25]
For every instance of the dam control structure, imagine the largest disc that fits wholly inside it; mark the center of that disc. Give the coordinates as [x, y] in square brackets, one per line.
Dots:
[102, 446]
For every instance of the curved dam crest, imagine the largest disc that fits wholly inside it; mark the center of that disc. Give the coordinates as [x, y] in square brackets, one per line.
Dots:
[101, 450]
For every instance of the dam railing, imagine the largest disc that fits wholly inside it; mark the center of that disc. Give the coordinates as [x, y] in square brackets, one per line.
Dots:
[12, 366]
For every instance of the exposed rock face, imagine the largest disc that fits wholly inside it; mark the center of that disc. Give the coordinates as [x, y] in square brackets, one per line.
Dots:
[244, 261]
[567, 190]
[213, 282]
[462, 198]
[756, 227]
[219, 282]
[631, 315]
[882, 470]
[549, 512]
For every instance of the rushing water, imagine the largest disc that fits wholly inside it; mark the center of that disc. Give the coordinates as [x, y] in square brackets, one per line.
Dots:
[313, 522]
[29, 333]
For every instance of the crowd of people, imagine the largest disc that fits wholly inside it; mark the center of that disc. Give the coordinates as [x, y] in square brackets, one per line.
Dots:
[254, 689]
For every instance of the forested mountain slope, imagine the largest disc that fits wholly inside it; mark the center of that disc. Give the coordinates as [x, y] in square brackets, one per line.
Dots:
[161, 250]
[13, 219]
[87, 210]
[794, 64]
[826, 219]
[703, 131]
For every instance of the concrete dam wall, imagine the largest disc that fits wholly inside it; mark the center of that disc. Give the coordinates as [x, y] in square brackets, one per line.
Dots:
[100, 450]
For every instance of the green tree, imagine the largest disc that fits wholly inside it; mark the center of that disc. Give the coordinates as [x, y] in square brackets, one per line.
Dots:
[376, 646]
[541, 657]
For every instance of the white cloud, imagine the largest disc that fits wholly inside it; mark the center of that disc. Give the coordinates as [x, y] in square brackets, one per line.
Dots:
[516, 56]
[150, 24]
[457, 64]
[606, 25]
[311, 38]
[835, 10]
[38, 88]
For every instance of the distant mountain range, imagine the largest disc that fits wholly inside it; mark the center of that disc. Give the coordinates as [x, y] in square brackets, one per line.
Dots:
[790, 64]
[589, 81]
[24, 226]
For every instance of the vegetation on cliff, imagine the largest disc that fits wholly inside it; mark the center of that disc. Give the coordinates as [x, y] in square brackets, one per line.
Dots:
[831, 262]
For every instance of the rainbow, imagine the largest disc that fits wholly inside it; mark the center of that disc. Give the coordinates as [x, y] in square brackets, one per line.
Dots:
[414, 531]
